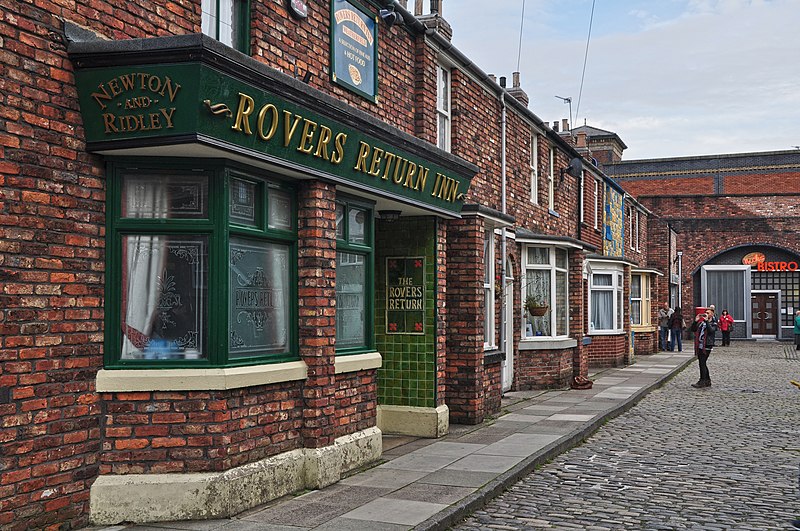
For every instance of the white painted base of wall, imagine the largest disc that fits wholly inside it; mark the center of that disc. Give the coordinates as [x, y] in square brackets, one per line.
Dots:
[415, 421]
[143, 498]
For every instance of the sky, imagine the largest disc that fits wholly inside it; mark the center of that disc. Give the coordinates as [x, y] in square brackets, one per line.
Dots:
[673, 78]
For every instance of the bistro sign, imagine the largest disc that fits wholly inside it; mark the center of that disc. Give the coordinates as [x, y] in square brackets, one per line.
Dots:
[151, 104]
[760, 261]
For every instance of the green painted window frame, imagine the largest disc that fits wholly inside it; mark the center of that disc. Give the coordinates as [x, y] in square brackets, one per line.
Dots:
[218, 228]
[241, 25]
[367, 249]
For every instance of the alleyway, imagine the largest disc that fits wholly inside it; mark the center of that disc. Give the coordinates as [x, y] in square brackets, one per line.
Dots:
[726, 457]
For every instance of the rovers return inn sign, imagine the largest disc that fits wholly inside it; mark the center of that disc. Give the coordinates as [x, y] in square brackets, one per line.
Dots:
[155, 103]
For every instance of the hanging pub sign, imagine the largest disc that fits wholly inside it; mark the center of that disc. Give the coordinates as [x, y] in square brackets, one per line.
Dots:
[354, 48]
[405, 295]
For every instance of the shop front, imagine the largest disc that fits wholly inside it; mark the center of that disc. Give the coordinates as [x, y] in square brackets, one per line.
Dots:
[273, 274]
[759, 285]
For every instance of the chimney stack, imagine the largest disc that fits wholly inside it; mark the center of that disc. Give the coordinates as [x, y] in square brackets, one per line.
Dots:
[417, 8]
[564, 124]
[555, 126]
[434, 19]
[582, 139]
[517, 92]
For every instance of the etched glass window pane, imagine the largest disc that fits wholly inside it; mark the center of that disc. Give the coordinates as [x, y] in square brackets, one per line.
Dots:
[538, 255]
[357, 225]
[350, 300]
[165, 197]
[164, 297]
[243, 202]
[280, 210]
[259, 305]
[340, 212]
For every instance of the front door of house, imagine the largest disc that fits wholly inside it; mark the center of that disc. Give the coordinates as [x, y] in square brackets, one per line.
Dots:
[508, 321]
[765, 314]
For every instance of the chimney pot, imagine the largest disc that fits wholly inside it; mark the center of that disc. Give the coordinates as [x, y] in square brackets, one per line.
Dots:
[503, 81]
[555, 126]
[582, 139]
[404, 3]
[564, 124]
[493, 77]
[515, 77]
[436, 6]
[417, 8]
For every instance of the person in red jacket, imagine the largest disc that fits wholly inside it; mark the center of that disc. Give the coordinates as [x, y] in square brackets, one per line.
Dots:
[726, 327]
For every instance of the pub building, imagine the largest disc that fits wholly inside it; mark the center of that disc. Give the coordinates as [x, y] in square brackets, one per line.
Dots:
[245, 258]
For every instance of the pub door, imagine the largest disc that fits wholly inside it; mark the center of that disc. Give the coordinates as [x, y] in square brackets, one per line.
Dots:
[765, 314]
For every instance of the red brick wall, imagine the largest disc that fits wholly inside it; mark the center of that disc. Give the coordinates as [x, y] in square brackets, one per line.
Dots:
[316, 269]
[645, 342]
[607, 351]
[173, 432]
[356, 400]
[754, 183]
[674, 186]
[465, 301]
[51, 277]
[544, 369]
[492, 386]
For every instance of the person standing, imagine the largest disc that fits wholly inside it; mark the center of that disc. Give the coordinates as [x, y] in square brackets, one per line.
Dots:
[726, 327]
[797, 330]
[676, 327]
[703, 344]
[663, 325]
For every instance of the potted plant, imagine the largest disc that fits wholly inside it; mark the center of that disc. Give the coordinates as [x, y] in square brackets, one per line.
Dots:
[536, 306]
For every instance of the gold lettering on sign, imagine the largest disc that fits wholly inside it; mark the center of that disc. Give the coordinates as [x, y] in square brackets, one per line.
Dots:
[322, 141]
[137, 82]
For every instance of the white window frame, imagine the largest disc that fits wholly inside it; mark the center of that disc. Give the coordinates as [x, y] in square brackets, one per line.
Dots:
[488, 290]
[644, 298]
[596, 204]
[617, 286]
[534, 168]
[638, 249]
[444, 105]
[551, 190]
[553, 267]
[212, 23]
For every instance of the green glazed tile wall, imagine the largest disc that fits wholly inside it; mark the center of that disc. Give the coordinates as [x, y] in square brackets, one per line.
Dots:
[408, 374]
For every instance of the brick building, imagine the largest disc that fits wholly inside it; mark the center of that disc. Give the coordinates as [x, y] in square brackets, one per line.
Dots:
[729, 222]
[240, 244]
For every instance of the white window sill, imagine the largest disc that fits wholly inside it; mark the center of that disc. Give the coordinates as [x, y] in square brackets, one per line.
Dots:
[547, 343]
[215, 379]
[606, 332]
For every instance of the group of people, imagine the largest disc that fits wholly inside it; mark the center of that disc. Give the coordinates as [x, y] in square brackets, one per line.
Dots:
[705, 326]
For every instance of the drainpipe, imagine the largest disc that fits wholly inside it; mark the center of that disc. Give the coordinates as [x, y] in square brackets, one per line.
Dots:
[680, 278]
[503, 301]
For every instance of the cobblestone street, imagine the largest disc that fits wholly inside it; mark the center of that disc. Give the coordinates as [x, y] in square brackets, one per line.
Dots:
[725, 457]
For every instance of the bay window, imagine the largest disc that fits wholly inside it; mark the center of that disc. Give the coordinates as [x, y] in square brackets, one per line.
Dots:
[545, 295]
[354, 274]
[200, 268]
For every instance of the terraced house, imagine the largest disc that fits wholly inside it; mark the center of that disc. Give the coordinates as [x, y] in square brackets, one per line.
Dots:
[243, 239]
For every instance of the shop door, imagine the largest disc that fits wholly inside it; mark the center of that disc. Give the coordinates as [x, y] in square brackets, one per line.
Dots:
[765, 314]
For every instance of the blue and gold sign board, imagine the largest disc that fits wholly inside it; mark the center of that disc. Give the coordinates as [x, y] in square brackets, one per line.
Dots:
[354, 48]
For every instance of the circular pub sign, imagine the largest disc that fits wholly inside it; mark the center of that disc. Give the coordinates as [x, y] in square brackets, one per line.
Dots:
[298, 8]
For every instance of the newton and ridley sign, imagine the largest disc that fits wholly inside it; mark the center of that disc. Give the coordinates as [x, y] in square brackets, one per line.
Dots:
[164, 103]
